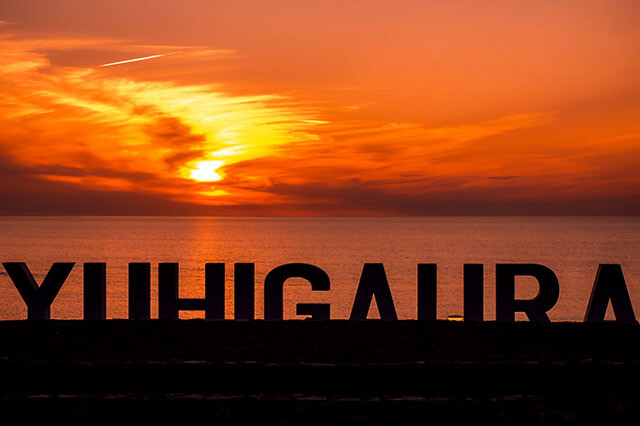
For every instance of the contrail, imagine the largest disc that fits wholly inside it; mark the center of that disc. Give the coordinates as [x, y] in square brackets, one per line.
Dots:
[134, 60]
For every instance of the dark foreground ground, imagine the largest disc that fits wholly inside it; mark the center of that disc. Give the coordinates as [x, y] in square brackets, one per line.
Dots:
[306, 372]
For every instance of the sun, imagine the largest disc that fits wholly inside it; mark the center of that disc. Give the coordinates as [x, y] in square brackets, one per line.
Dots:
[205, 171]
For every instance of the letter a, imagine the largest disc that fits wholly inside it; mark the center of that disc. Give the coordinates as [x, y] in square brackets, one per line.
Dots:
[373, 282]
[610, 286]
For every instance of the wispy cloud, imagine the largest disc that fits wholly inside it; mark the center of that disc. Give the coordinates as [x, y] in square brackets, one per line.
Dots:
[61, 120]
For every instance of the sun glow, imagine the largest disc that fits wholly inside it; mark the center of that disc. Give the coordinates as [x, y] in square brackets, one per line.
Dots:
[206, 171]
[109, 131]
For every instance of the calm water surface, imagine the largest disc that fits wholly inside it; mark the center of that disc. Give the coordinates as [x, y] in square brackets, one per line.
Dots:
[572, 247]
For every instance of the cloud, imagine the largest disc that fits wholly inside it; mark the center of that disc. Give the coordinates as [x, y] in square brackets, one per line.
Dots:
[76, 138]
[503, 177]
[357, 198]
[81, 125]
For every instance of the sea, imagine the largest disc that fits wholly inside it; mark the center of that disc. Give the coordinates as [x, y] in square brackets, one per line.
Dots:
[572, 247]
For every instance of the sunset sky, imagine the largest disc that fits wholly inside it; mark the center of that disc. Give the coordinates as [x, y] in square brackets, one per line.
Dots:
[332, 107]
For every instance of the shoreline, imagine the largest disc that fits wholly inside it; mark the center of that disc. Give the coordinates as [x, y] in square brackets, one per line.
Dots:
[372, 372]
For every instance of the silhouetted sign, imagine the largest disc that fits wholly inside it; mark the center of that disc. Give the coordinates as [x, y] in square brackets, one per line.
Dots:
[38, 298]
[609, 288]
[169, 304]
[536, 309]
[274, 286]
[373, 282]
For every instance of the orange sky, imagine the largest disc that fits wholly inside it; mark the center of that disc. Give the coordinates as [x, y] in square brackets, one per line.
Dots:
[319, 107]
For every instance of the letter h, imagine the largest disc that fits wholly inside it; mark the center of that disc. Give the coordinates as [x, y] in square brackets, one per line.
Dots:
[169, 304]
